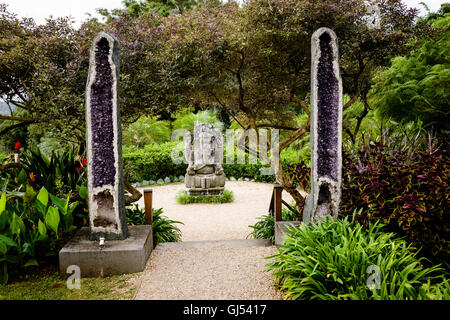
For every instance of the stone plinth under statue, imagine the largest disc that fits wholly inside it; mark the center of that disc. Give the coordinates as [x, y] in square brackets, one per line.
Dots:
[204, 154]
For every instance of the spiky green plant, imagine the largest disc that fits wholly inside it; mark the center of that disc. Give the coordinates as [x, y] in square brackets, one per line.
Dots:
[335, 260]
[164, 229]
[264, 228]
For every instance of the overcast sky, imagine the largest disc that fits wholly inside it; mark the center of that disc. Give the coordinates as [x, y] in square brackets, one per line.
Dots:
[41, 9]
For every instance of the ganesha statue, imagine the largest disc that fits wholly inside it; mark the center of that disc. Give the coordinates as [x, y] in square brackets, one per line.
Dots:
[204, 155]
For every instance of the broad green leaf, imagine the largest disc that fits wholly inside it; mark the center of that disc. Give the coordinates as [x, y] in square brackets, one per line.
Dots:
[22, 177]
[43, 196]
[41, 227]
[72, 207]
[59, 203]
[42, 238]
[2, 202]
[52, 219]
[17, 224]
[45, 159]
[29, 194]
[83, 192]
[66, 205]
[31, 262]
[3, 248]
[68, 222]
[40, 207]
[7, 241]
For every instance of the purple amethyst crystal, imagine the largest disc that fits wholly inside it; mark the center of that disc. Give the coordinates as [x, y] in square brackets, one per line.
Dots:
[102, 127]
[103, 131]
[326, 128]
[327, 113]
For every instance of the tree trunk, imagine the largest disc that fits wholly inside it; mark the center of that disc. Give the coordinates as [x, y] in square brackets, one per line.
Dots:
[135, 194]
[294, 192]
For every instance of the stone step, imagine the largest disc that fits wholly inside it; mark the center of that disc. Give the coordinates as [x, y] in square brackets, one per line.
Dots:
[219, 244]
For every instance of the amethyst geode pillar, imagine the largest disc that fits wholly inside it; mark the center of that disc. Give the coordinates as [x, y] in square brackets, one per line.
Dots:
[107, 215]
[326, 128]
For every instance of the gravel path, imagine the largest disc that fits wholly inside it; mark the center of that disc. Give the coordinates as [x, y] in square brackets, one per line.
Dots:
[202, 274]
[205, 270]
[216, 221]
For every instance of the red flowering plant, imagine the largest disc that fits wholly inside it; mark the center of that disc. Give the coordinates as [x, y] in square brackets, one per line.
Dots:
[79, 165]
[17, 146]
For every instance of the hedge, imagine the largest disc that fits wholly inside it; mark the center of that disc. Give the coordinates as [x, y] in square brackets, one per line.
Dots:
[151, 162]
[154, 162]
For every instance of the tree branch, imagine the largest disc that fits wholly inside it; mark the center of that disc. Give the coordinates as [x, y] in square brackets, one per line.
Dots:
[12, 118]
[275, 126]
[352, 100]
[17, 125]
[302, 104]
[295, 135]
[10, 165]
[135, 194]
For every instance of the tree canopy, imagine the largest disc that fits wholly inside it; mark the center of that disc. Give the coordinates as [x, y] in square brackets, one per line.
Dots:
[160, 7]
[416, 85]
[252, 61]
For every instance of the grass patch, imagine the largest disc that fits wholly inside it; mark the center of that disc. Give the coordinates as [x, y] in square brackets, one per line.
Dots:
[184, 198]
[49, 285]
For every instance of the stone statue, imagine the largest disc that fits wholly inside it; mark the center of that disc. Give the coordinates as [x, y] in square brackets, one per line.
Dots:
[204, 175]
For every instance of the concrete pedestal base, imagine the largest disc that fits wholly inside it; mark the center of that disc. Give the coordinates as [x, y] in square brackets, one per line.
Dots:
[280, 230]
[205, 184]
[116, 257]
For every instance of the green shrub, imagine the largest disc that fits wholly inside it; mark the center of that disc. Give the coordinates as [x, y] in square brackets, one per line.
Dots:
[406, 188]
[264, 228]
[62, 174]
[402, 179]
[251, 171]
[292, 155]
[59, 174]
[164, 229]
[416, 86]
[333, 260]
[184, 198]
[187, 120]
[135, 215]
[31, 227]
[153, 162]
